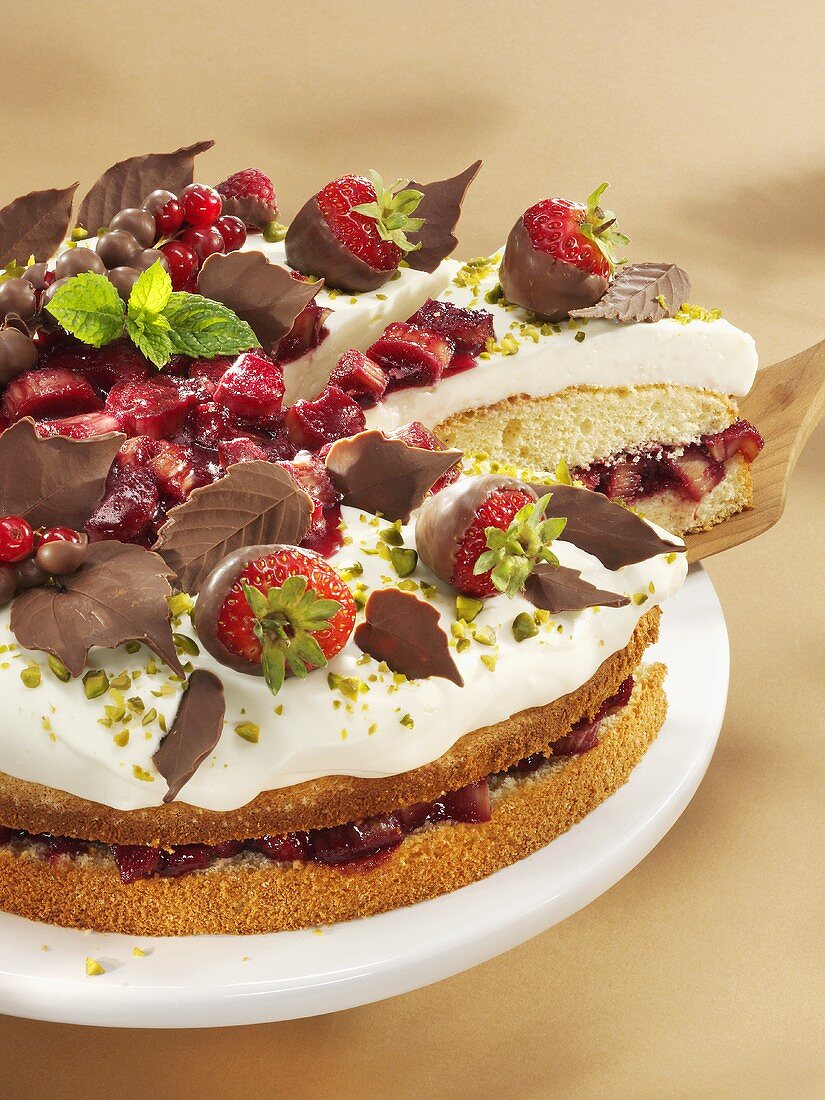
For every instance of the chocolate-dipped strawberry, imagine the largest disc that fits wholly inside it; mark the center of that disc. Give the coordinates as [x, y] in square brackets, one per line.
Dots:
[272, 610]
[353, 232]
[484, 535]
[560, 256]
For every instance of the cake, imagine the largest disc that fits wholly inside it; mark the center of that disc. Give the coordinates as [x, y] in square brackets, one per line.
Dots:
[275, 653]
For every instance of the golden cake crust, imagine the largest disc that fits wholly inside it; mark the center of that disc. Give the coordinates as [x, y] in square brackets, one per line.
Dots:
[240, 899]
[332, 800]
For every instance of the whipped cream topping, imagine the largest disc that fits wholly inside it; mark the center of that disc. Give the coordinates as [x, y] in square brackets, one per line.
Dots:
[542, 359]
[357, 320]
[353, 718]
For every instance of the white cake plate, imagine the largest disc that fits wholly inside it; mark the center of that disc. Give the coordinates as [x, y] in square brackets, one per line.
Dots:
[215, 981]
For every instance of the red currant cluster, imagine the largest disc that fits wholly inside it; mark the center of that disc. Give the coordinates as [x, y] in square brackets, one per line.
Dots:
[198, 228]
[29, 557]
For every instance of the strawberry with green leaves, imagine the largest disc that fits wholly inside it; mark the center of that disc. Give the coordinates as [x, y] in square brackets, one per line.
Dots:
[276, 610]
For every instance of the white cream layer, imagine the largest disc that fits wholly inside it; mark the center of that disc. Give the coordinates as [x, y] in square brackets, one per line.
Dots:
[542, 360]
[357, 320]
[52, 734]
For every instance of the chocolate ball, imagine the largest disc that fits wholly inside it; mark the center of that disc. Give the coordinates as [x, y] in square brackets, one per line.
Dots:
[140, 223]
[29, 574]
[149, 256]
[50, 291]
[36, 275]
[61, 558]
[8, 583]
[18, 296]
[117, 247]
[18, 353]
[75, 261]
[157, 199]
[123, 279]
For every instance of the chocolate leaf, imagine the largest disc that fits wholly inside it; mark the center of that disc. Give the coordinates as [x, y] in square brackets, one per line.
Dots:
[53, 482]
[195, 732]
[641, 292]
[257, 502]
[118, 595]
[385, 475]
[440, 208]
[404, 632]
[263, 294]
[611, 533]
[35, 224]
[557, 589]
[128, 182]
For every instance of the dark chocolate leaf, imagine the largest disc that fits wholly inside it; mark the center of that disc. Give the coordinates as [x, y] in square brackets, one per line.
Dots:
[405, 632]
[264, 295]
[440, 208]
[194, 733]
[641, 292]
[56, 481]
[118, 595]
[557, 589]
[385, 475]
[611, 533]
[128, 182]
[35, 224]
[256, 502]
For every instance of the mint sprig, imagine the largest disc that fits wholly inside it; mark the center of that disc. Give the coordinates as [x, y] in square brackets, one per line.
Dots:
[159, 321]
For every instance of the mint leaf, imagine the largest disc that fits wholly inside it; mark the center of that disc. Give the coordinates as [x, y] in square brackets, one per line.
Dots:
[90, 308]
[152, 290]
[149, 332]
[205, 329]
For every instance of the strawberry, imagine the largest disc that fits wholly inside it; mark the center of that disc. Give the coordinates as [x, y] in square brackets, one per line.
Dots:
[371, 220]
[584, 236]
[250, 196]
[505, 539]
[288, 611]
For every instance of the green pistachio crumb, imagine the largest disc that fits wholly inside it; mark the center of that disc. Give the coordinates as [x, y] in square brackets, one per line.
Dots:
[407, 721]
[58, 669]
[349, 686]
[579, 337]
[462, 645]
[115, 713]
[524, 626]
[180, 604]
[639, 598]
[132, 647]
[350, 572]
[671, 558]
[93, 968]
[485, 635]
[407, 586]
[467, 607]
[121, 739]
[138, 953]
[404, 560]
[428, 591]
[494, 295]
[142, 774]
[136, 704]
[381, 297]
[489, 660]
[122, 682]
[249, 731]
[31, 677]
[185, 644]
[274, 232]
[162, 724]
[149, 717]
[279, 710]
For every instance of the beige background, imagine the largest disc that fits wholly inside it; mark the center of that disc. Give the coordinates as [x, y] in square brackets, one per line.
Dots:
[701, 973]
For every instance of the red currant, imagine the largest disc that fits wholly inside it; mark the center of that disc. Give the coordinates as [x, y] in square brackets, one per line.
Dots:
[59, 534]
[16, 538]
[232, 230]
[183, 263]
[169, 218]
[204, 242]
[202, 205]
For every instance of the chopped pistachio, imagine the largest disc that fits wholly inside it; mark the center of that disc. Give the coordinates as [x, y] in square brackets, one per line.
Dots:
[462, 645]
[524, 626]
[404, 560]
[489, 660]
[485, 635]
[407, 585]
[142, 774]
[467, 607]
[407, 721]
[79, 233]
[93, 968]
[162, 724]
[279, 710]
[58, 668]
[136, 704]
[249, 731]
[121, 739]
[579, 337]
[138, 953]
[149, 717]
[185, 644]
[132, 647]
[373, 728]
[180, 604]
[639, 598]
[349, 686]
[671, 558]
[273, 232]
[96, 683]
[31, 677]
[428, 591]
[350, 572]
[116, 713]
[121, 682]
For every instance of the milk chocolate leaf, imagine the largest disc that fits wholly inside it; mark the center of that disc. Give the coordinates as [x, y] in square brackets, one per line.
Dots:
[404, 632]
[128, 182]
[562, 589]
[385, 475]
[614, 535]
[195, 732]
[257, 502]
[440, 208]
[35, 224]
[53, 482]
[118, 595]
[641, 292]
[263, 294]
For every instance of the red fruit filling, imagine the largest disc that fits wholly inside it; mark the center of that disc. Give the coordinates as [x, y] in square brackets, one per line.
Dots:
[469, 329]
[360, 378]
[690, 471]
[252, 389]
[306, 334]
[53, 392]
[330, 416]
[356, 846]
[154, 407]
[411, 356]
[415, 434]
